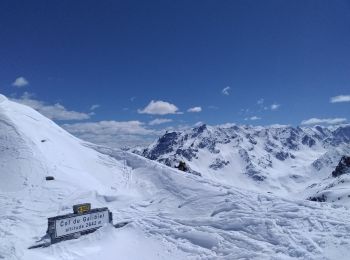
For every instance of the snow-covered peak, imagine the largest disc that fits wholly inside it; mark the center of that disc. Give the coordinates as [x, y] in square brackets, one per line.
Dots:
[285, 158]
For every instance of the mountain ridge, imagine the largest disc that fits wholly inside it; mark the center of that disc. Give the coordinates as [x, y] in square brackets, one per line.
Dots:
[293, 155]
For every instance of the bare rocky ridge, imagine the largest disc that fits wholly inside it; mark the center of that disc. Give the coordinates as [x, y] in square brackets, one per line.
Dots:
[343, 167]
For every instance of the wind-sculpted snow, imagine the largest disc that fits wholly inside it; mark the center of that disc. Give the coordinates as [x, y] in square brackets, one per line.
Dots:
[173, 215]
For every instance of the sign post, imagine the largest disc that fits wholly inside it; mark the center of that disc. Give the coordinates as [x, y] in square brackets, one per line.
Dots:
[83, 221]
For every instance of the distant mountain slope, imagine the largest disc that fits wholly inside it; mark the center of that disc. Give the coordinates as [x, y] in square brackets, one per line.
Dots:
[335, 188]
[281, 159]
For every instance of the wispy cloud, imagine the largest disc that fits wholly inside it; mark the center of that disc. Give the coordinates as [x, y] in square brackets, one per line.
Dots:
[54, 112]
[159, 121]
[95, 106]
[329, 121]
[20, 82]
[260, 101]
[253, 118]
[225, 91]
[199, 123]
[275, 106]
[340, 98]
[113, 133]
[159, 108]
[278, 126]
[194, 109]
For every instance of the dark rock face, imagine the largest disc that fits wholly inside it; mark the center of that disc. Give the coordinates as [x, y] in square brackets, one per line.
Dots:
[307, 140]
[343, 167]
[187, 153]
[182, 166]
[199, 130]
[250, 169]
[218, 164]
[209, 144]
[253, 173]
[185, 168]
[318, 164]
[322, 198]
[282, 155]
[251, 139]
[165, 145]
[292, 142]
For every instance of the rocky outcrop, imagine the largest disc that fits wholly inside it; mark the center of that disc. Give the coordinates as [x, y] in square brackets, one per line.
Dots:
[343, 167]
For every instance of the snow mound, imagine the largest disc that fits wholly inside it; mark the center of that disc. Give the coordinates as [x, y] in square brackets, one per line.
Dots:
[33, 147]
[173, 215]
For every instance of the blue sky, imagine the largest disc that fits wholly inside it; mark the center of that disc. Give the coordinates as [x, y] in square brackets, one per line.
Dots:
[244, 62]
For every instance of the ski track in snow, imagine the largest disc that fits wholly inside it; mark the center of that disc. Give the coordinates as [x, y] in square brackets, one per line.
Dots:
[216, 222]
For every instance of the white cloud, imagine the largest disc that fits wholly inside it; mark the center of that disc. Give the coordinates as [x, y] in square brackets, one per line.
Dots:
[159, 121]
[275, 106]
[260, 101]
[109, 127]
[227, 125]
[20, 82]
[199, 123]
[278, 126]
[340, 98]
[329, 121]
[253, 118]
[159, 108]
[95, 106]
[54, 112]
[194, 109]
[225, 91]
[113, 133]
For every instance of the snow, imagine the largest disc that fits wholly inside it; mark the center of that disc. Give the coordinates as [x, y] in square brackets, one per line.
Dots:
[172, 215]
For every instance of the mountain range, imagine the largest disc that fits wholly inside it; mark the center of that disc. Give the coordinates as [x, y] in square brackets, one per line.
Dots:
[285, 160]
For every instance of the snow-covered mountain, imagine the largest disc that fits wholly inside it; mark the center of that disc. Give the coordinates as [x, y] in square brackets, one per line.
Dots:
[278, 159]
[173, 215]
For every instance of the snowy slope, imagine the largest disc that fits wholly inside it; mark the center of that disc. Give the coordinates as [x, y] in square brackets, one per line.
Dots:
[279, 159]
[174, 215]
